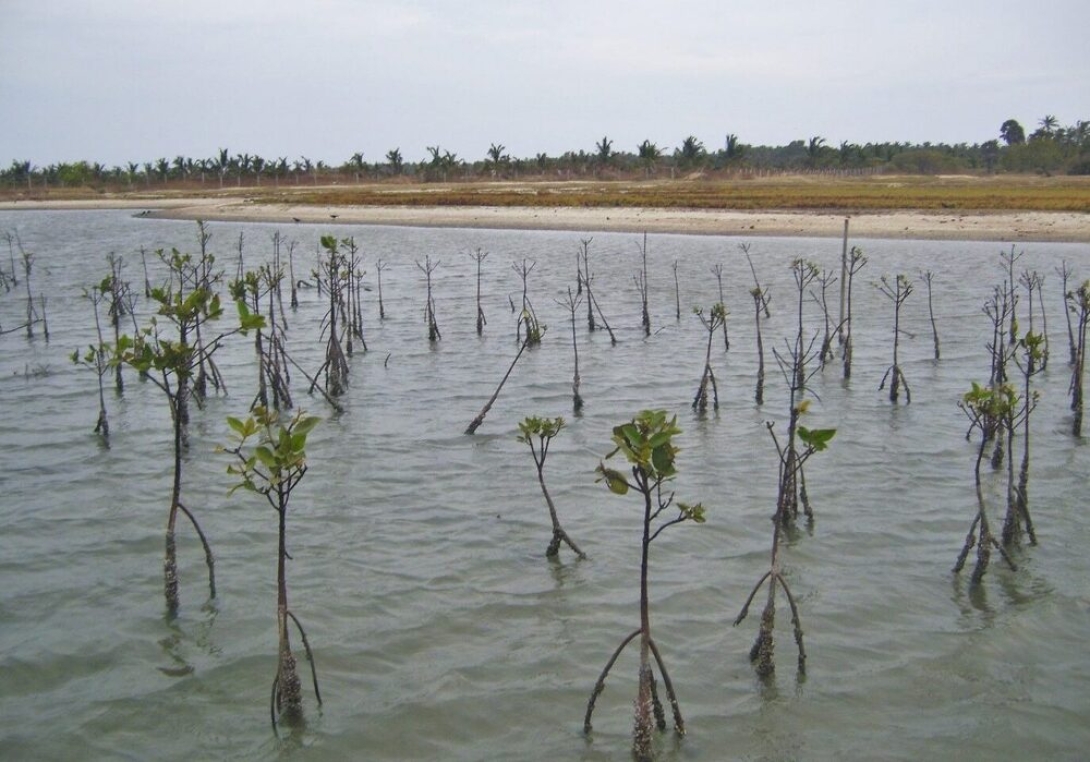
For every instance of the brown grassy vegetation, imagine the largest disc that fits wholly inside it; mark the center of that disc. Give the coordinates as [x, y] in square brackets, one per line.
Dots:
[812, 192]
[816, 192]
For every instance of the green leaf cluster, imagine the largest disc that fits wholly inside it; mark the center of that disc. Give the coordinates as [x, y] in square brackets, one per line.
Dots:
[542, 428]
[278, 459]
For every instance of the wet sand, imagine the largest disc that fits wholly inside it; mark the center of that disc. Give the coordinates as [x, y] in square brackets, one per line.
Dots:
[979, 226]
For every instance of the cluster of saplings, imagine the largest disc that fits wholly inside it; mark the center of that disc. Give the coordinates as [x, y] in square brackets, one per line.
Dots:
[174, 349]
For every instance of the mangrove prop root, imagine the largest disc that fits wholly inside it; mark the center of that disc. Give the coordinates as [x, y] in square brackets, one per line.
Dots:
[209, 559]
[170, 574]
[310, 656]
[601, 684]
[679, 721]
[796, 623]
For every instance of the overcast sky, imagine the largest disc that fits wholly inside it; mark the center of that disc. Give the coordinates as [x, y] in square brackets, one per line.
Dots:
[133, 80]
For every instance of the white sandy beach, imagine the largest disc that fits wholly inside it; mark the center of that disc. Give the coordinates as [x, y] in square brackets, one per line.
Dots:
[980, 226]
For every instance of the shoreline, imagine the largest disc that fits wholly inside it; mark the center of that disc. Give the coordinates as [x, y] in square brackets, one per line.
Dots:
[1014, 227]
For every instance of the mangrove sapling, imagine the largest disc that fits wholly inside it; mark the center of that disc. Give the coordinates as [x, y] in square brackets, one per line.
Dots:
[572, 304]
[825, 279]
[379, 267]
[273, 378]
[170, 362]
[32, 316]
[479, 256]
[429, 307]
[985, 406]
[1028, 361]
[527, 316]
[273, 467]
[641, 287]
[793, 363]
[712, 322]
[203, 277]
[928, 278]
[98, 357]
[897, 292]
[762, 654]
[332, 278]
[756, 281]
[718, 272]
[543, 430]
[647, 443]
[677, 292]
[353, 290]
[12, 280]
[586, 279]
[760, 299]
[147, 280]
[1034, 283]
[533, 329]
[1079, 304]
[1065, 274]
[120, 301]
[856, 262]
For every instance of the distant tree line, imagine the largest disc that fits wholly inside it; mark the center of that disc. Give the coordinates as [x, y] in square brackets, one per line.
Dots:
[1049, 149]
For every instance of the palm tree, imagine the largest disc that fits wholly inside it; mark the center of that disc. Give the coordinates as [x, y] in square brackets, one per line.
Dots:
[221, 163]
[649, 154]
[357, 164]
[690, 153]
[393, 157]
[496, 157]
[605, 150]
[259, 166]
[734, 149]
[1048, 124]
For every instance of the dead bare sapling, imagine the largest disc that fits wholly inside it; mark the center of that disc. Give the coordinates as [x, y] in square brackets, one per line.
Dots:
[538, 434]
[856, 262]
[592, 301]
[1079, 305]
[647, 444]
[572, 304]
[928, 278]
[897, 292]
[640, 279]
[428, 268]
[760, 300]
[712, 322]
[527, 322]
[479, 256]
[718, 272]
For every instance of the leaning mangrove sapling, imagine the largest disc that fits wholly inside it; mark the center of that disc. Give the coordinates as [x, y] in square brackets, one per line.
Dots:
[647, 443]
[538, 434]
[273, 467]
[534, 329]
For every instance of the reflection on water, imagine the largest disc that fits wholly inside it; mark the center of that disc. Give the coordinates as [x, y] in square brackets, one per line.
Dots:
[440, 630]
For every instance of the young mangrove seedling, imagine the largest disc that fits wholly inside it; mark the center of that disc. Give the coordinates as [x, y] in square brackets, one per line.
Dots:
[641, 286]
[271, 461]
[333, 278]
[986, 407]
[98, 357]
[717, 271]
[647, 443]
[928, 278]
[712, 322]
[537, 434]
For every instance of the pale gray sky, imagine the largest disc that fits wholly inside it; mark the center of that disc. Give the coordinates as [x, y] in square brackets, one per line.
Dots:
[132, 80]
